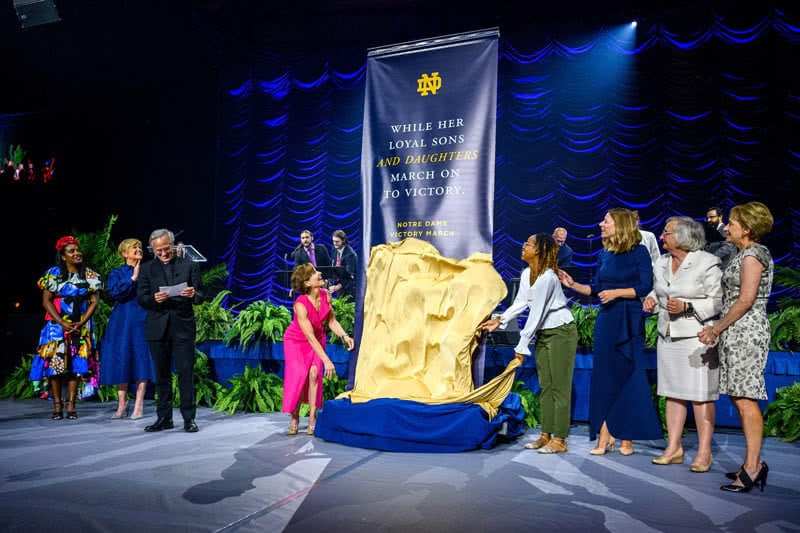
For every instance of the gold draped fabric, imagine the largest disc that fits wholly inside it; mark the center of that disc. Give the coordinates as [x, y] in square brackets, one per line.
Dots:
[421, 314]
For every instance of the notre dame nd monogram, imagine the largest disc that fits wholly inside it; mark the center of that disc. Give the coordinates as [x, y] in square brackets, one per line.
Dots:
[429, 84]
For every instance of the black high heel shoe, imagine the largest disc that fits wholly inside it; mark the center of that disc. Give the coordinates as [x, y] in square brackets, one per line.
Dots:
[58, 411]
[72, 414]
[747, 483]
[734, 475]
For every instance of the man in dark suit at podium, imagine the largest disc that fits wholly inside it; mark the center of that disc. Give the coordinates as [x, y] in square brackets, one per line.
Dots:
[345, 257]
[169, 326]
[308, 252]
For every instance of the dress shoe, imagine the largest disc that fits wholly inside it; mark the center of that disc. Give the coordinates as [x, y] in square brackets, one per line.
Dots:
[675, 459]
[747, 483]
[699, 468]
[189, 426]
[601, 450]
[137, 417]
[161, 424]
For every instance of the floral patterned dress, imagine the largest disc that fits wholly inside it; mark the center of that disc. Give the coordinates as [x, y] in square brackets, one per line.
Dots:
[744, 345]
[73, 354]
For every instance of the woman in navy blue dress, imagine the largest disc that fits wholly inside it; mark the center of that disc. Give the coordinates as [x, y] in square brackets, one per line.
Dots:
[620, 405]
[125, 356]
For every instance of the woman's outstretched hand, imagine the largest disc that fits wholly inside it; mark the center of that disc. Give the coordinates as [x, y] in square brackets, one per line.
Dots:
[490, 325]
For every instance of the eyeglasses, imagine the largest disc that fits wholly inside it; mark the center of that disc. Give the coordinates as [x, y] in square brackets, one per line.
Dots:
[665, 233]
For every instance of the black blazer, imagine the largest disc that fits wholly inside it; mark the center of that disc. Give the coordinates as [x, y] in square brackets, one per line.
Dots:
[174, 316]
[350, 263]
[300, 256]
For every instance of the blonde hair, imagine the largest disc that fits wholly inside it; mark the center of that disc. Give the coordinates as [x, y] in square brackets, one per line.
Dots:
[754, 216]
[627, 233]
[127, 244]
[300, 275]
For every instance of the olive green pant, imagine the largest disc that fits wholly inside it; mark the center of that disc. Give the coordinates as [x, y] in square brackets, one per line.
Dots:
[555, 361]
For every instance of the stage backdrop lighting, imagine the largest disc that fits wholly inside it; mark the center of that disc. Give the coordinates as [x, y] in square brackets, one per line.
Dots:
[36, 12]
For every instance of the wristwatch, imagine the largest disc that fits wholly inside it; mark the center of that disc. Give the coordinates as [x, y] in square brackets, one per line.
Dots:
[689, 309]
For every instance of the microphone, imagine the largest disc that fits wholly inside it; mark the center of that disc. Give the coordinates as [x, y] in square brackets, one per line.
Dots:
[590, 236]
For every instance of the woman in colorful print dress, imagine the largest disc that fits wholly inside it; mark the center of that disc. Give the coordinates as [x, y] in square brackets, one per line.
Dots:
[66, 344]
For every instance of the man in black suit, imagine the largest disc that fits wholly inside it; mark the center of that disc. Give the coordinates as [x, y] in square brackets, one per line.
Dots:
[308, 252]
[344, 256]
[170, 326]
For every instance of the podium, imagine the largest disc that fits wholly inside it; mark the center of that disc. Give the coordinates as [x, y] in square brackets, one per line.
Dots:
[189, 252]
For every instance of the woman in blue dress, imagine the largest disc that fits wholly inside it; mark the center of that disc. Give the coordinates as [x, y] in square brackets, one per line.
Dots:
[66, 343]
[124, 351]
[620, 405]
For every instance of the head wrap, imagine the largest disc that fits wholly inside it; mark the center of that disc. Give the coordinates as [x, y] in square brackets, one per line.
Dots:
[64, 241]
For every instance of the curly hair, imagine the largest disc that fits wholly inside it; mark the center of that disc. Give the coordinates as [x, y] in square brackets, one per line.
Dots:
[546, 255]
[300, 275]
[627, 233]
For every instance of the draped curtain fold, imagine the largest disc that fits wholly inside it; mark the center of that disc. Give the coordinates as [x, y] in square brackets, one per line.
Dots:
[669, 122]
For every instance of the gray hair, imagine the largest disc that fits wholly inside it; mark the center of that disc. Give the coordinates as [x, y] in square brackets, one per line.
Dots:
[689, 234]
[157, 234]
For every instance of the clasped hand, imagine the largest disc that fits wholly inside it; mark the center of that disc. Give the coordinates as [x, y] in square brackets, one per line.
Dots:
[706, 335]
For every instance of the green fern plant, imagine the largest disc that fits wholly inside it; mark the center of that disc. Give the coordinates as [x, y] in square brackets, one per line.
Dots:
[255, 391]
[785, 329]
[18, 384]
[106, 393]
[215, 278]
[206, 390]
[345, 310]
[785, 323]
[259, 321]
[99, 251]
[584, 322]
[212, 319]
[651, 331]
[17, 154]
[783, 414]
[530, 403]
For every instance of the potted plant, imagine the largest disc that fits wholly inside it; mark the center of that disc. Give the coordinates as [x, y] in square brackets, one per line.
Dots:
[251, 337]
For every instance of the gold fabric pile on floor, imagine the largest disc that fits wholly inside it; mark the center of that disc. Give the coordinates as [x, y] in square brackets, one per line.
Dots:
[421, 314]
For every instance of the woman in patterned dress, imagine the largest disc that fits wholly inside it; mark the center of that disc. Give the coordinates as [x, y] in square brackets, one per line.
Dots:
[304, 346]
[744, 334]
[66, 343]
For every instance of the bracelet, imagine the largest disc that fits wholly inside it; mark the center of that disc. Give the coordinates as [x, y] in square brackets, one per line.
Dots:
[714, 332]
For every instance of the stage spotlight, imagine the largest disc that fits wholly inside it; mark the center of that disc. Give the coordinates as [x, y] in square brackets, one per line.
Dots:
[633, 24]
[36, 12]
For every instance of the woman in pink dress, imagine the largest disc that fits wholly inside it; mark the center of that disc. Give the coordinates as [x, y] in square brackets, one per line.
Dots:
[304, 346]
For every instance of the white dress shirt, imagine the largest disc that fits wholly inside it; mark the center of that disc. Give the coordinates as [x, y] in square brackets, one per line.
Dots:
[546, 303]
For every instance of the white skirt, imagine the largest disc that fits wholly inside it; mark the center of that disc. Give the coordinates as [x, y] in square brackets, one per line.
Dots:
[688, 369]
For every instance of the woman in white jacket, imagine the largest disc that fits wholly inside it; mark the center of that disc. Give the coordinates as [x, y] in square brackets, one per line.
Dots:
[687, 294]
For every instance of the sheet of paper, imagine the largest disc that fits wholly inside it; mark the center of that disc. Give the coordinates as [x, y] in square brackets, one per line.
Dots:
[174, 290]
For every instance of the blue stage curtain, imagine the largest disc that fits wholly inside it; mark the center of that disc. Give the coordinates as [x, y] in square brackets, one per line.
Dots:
[681, 115]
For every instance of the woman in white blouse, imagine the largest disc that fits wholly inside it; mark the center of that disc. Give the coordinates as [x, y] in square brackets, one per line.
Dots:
[551, 322]
[687, 295]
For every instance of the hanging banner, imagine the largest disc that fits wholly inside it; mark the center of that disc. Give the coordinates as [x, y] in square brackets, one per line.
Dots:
[427, 159]
[428, 149]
